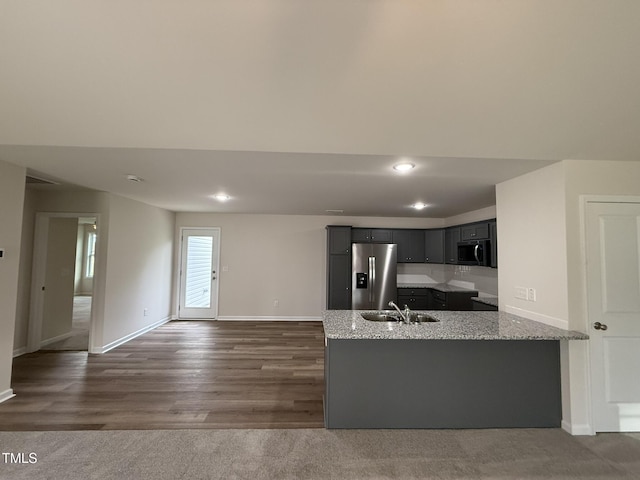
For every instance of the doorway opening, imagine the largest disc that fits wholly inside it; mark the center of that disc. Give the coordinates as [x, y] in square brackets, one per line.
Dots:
[63, 282]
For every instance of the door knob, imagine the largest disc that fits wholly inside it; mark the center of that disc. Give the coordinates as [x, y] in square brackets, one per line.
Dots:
[600, 326]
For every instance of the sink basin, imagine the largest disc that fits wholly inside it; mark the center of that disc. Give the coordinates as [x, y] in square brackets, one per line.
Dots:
[422, 318]
[386, 317]
[380, 317]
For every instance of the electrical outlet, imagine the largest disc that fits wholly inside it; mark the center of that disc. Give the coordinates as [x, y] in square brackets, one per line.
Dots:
[276, 303]
[146, 312]
[531, 294]
[521, 293]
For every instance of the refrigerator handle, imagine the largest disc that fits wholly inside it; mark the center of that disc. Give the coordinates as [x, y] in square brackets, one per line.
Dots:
[372, 278]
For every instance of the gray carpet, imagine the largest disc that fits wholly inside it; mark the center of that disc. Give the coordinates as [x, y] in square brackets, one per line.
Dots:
[309, 454]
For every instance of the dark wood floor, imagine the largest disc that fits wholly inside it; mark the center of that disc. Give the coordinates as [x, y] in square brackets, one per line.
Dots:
[181, 375]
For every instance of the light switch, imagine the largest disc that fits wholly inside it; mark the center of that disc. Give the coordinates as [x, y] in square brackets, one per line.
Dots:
[1, 252]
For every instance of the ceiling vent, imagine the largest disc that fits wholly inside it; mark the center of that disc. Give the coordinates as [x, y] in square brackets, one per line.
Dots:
[39, 181]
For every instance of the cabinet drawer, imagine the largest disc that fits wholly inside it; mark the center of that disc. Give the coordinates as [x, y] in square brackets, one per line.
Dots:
[439, 296]
[414, 303]
[413, 292]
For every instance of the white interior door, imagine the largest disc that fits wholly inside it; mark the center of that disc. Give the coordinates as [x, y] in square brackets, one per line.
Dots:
[613, 282]
[199, 273]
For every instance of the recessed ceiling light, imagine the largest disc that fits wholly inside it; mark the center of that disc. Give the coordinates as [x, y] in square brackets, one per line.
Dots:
[222, 197]
[419, 205]
[403, 167]
[134, 178]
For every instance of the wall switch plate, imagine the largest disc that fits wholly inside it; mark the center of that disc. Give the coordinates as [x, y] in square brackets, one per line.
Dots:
[521, 293]
[146, 312]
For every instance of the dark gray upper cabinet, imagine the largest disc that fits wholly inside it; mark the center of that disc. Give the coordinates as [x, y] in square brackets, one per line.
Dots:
[371, 235]
[410, 245]
[339, 239]
[493, 235]
[475, 231]
[434, 246]
[451, 239]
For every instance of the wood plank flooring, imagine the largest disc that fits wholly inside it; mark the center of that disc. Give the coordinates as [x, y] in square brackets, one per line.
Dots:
[195, 374]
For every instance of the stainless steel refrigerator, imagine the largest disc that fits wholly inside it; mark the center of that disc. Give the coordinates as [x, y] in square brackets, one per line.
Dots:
[373, 273]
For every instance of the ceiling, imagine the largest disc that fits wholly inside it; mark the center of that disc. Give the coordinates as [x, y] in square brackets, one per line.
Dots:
[299, 107]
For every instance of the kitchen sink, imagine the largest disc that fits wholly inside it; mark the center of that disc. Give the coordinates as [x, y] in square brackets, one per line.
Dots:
[422, 318]
[380, 317]
[386, 317]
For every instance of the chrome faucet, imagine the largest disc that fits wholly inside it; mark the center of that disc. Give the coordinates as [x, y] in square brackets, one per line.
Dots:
[406, 315]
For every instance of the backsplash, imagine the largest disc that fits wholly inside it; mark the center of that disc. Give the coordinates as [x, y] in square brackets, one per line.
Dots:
[483, 279]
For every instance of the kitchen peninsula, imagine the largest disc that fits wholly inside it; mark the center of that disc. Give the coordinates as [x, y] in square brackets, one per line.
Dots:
[465, 370]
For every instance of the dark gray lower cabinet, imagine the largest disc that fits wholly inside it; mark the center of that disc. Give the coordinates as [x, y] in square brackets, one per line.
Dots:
[431, 299]
[339, 282]
[479, 306]
[414, 298]
[452, 300]
[442, 383]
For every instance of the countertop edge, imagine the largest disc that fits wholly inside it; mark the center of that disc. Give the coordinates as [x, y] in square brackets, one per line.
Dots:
[482, 326]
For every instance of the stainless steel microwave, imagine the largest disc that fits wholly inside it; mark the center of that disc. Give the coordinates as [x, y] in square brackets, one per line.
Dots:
[474, 252]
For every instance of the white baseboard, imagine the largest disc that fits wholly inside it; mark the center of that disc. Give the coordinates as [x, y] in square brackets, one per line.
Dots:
[538, 317]
[6, 395]
[577, 429]
[131, 336]
[19, 351]
[279, 318]
[59, 338]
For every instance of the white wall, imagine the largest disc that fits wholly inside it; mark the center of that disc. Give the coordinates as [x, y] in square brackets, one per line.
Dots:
[139, 263]
[54, 201]
[532, 244]
[542, 210]
[12, 182]
[278, 257]
[487, 213]
[24, 279]
[587, 178]
[133, 263]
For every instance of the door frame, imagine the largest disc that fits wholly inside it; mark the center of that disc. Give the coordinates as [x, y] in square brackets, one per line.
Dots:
[38, 274]
[585, 200]
[215, 292]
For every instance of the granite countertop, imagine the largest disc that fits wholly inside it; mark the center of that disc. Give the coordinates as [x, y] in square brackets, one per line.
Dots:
[441, 287]
[493, 301]
[479, 325]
